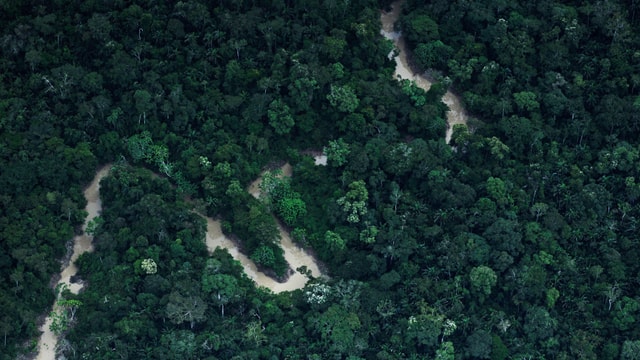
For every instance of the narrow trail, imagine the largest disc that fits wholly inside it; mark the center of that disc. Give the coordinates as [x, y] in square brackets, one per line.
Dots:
[295, 256]
[81, 244]
[456, 113]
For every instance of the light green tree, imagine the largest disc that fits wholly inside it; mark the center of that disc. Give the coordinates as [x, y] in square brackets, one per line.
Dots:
[497, 190]
[149, 266]
[354, 203]
[497, 148]
[338, 328]
[280, 117]
[290, 209]
[445, 352]
[343, 98]
[181, 343]
[526, 100]
[141, 147]
[483, 279]
[64, 312]
[552, 296]
[334, 241]
[337, 152]
[368, 234]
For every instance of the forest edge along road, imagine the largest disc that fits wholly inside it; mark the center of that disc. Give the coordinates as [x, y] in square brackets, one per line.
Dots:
[295, 256]
[81, 244]
[456, 113]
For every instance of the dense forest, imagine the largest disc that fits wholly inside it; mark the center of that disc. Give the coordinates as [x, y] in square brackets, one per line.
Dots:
[515, 241]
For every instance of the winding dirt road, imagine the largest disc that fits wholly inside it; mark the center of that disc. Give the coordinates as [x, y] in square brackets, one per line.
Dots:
[456, 113]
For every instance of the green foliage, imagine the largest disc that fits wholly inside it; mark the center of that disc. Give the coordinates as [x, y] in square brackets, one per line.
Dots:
[337, 152]
[479, 344]
[497, 189]
[625, 313]
[338, 329]
[483, 279]
[368, 235]
[445, 352]
[264, 256]
[93, 225]
[526, 100]
[414, 92]
[433, 54]
[334, 241]
[222, 288]
[343, 98]
[552, 296]
[181, 343]
[141, 147]
[276, 192]
[190, 309]
[420, 27]
[630, 350]
[498, 350]
[291, 210]
[280, 117]
[425, 329]
[354, 203]
[539, 324]
[334, 46]
[540, 187]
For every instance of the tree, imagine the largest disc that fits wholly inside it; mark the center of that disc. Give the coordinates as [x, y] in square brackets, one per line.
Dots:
[334, 45]
[505, 235]
[222, 288]
[538, 324]
[338, 328]
[526, 101]
[425, 328]
[538, 209]
[343, 98]
[445, 352]
[337, 152]
[479, 344]
[182, 309]
[291, 209]
[368, 234]
[180, 343]
[419, 26]
[334, 241]
[497, 189]
[255, 333]
[630, 350]
[143, 104]
[483, 279]
[354, 203]
[280, 117]
[64, 312]
[100, 27]
[625, 313]
[417, 94]
[264, 256]
[433, 54]
[149, 266]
